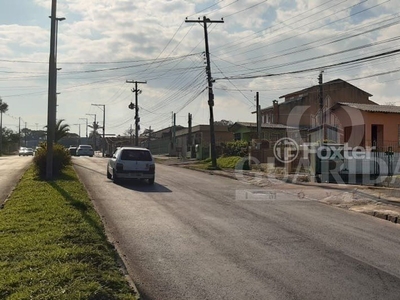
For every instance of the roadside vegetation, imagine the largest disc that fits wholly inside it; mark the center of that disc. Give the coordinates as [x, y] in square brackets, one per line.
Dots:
[61, 159]
[233, 156]
[53, 244]
[224, 162]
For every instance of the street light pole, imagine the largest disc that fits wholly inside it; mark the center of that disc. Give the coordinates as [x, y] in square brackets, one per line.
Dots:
[52, 96]
[104, 125]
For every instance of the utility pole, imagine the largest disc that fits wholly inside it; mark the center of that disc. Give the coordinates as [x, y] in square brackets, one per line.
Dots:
[25, 134]
[79, 139]
[52, 90]
[104, 125]
[149, 139]
[94, 130]
[86, 125]
[321, 107]
[136, 107]
[190, 133]
[258, 116]
[174, 130]
[131, 135]
[51, 106]
[210, 84]
[19, 132]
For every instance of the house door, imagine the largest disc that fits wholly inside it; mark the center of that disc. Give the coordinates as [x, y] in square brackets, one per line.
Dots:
[377, 135]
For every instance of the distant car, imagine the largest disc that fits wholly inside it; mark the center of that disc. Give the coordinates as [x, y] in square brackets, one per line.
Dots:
[131, 163]
[72, 150]
[23, 151]
[84, 150]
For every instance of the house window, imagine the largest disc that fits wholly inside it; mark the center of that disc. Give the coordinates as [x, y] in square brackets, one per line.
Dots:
[237, 136]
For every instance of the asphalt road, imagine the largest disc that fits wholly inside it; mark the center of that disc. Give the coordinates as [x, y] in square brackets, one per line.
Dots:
[198, 236]
[11, 170]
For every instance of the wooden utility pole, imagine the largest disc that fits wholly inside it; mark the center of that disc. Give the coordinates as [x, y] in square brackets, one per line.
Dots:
[149, 138]
[258, 116]
[321, 107]
[210, 85]
[104, 126]
[174, 130]
[136, 107]
[189, 140]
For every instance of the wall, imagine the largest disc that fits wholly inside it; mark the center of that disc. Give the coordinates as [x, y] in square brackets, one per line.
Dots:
[361, 122]
[301, 112]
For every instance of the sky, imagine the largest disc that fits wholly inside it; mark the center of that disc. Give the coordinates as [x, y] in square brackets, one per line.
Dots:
[273, 47]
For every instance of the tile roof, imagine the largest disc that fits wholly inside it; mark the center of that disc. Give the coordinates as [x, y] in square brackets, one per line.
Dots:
[373, 107]
[335, 81]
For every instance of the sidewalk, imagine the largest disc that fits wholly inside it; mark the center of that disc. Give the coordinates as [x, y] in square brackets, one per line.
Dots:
[381, 202]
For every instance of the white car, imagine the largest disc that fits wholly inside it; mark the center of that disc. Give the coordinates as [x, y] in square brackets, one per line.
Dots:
[84, 150]
[131, 163]
[23, 151]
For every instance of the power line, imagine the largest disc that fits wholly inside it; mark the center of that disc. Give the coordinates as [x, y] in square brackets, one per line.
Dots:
[377, 56]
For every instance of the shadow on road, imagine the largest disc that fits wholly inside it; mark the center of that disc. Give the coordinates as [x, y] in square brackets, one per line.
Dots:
[75, 164]
[143, 186]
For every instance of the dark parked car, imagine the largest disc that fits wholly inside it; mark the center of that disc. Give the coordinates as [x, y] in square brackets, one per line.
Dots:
[72, 150]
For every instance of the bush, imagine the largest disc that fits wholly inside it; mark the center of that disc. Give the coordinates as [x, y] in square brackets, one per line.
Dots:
[236, 148]
[61, 159]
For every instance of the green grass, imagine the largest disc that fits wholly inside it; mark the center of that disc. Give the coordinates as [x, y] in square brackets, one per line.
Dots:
[228, 162]
[53, 244]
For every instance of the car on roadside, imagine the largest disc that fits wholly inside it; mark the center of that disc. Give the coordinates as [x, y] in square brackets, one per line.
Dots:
[84, 150]
[130, 163]
[24, 151]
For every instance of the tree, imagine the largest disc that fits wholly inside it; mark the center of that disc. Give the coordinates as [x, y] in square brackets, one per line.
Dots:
[61, 130]
[10, 140]
[131, 133]
[224, 123]
[3, 109]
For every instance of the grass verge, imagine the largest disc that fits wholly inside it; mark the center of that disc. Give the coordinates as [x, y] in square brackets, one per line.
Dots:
[228, 162]
[53, 244]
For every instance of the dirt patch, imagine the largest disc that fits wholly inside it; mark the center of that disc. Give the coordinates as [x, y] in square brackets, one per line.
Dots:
[354, 201]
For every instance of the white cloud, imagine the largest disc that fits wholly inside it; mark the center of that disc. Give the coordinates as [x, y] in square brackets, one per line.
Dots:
[268, 38]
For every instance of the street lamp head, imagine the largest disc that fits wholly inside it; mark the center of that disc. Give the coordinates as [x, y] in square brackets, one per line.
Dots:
[59, 19]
